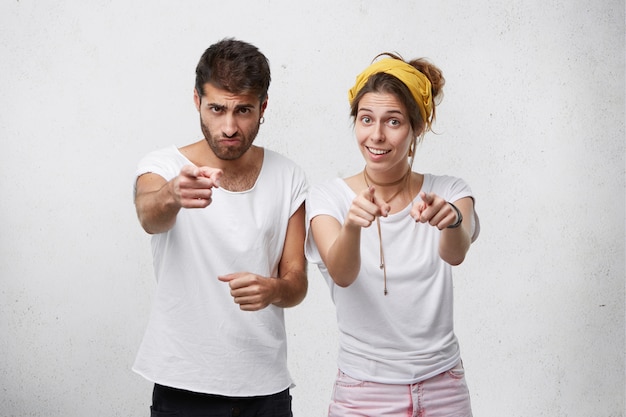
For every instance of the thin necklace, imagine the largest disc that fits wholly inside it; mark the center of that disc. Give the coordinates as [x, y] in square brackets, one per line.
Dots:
[368, 179]
[383, 184]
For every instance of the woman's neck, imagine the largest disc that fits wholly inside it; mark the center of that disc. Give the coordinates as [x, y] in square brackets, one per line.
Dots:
[386, 179]
[388, 191]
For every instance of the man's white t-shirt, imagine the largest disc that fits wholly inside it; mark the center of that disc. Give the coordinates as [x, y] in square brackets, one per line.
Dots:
[197, 338]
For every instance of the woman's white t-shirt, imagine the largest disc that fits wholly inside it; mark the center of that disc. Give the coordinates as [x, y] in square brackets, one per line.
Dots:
[406, 336]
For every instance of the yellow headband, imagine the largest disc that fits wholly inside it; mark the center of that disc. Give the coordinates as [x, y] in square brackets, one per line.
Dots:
[418, 84]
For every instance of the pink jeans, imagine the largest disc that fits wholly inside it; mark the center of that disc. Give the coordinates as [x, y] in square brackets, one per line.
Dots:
[444, 395]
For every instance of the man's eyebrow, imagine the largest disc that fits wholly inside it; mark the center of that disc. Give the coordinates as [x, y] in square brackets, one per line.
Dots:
[245, 106]
[237, 107]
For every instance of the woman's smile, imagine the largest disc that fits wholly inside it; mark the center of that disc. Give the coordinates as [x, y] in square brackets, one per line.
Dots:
[377, 151]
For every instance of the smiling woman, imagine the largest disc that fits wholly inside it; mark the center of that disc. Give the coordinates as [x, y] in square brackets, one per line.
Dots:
[419, 235]
[384, 135]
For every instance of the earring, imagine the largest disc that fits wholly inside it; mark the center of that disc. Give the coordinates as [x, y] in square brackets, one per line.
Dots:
[262, 120]
[412, 147]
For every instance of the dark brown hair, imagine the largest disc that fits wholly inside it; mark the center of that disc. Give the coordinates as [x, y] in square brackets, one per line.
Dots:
[235, 66]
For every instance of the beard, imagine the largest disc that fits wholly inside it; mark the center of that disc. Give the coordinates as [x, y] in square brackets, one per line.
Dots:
[226, 152]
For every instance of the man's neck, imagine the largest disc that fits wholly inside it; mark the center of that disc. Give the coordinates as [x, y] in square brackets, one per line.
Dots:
[238, 174]
[241, 174]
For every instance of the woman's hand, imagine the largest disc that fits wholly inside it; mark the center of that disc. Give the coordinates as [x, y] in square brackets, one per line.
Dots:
[434, 210]
[365, 208]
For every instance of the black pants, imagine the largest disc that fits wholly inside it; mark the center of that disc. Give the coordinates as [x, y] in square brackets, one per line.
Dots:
[172, 402]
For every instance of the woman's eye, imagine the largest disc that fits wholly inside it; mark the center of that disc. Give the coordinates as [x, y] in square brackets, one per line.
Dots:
[366, 119]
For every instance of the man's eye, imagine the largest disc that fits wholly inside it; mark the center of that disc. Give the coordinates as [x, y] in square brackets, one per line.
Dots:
[366, 119]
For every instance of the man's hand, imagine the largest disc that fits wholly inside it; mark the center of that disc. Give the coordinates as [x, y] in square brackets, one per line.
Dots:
[252, 292]
[158, 201]
[193, 186]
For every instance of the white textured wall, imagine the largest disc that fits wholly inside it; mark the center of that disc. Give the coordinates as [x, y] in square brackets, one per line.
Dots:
[533, 119]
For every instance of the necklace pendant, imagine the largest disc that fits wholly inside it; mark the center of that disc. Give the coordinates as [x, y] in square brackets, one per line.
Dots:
[382, 265]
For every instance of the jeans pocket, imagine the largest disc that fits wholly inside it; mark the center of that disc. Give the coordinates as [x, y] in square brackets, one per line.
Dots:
[156, 413]
[347, 381]
[458, 371]
[282, 407]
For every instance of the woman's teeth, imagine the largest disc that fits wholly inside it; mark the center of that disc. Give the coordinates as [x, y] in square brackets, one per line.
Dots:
[377, 151]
